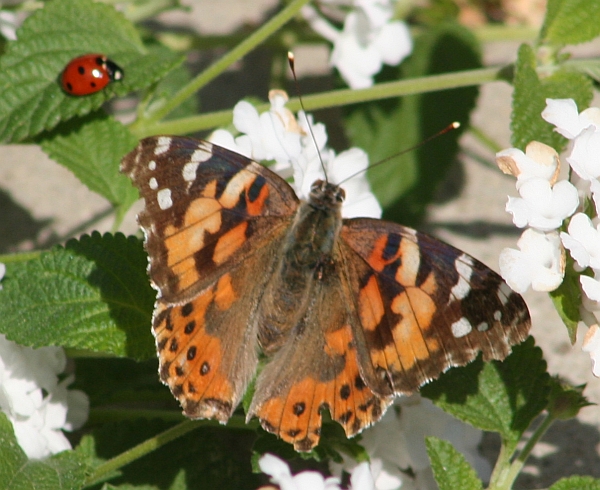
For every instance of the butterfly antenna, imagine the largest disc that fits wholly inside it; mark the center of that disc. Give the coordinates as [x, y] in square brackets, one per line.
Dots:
[447, 129]
[291, 62]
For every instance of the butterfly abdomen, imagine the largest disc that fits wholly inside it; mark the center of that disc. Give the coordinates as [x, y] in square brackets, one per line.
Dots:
[307, 251]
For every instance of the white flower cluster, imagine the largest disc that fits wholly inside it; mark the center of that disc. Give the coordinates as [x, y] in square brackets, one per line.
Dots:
[298, 148]
[369, 38]
[396, 447]
[38, 405]
[545, 202]
[280, 474]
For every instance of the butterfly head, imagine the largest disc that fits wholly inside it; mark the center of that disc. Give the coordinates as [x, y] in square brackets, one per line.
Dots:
[325, 195]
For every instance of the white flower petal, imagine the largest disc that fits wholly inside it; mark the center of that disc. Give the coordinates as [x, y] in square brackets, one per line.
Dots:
[595, 189]
[564, 115]
[393, 43]
[79, 409]
[539, 161]
[590, 116]
[543, 206]
[245, 117]
[591, 344]
[224, 138]
[32, 398]
[538, 264]
[585, 155]
[361, 478]
[368, 40]
[319, 24]
[276, 468]
[583, 241]
[591, 287]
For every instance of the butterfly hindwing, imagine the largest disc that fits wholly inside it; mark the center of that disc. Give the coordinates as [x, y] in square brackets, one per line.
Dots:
[318, 369]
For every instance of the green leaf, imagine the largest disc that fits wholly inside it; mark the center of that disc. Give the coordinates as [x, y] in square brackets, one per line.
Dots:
[450, 468]
[116, 384]
[405, 185]
[503, 397]
[591, 67]
[92, 148]
[530, 95]
[65, 470]
[576, 483]
[31, 99]
[565, 400]
[93, 294]
[567, 300]
[168, 87]
[571, 22]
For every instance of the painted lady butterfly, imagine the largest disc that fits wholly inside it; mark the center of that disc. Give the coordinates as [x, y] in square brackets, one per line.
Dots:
[346, 312]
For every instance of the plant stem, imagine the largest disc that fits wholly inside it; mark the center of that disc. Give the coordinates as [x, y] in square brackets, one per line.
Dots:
[332, 98]
[519, 462]
[500, 468]
[104, 470]
[19, 257]
[222, 64]
[142, 449]
[484, 138]
[505, 482]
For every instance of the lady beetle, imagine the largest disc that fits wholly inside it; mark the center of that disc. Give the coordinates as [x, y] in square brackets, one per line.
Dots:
[89, 74]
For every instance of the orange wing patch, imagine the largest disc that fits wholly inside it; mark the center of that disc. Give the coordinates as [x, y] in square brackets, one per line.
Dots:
[190, 358]
[295, 414]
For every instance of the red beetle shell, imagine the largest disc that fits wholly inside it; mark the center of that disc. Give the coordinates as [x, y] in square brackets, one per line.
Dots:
[89, 74]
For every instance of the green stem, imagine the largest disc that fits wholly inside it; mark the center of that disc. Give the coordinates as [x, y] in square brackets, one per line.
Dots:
[136, 452]
[484, 138]
[500, 468]
[107, 468]
[519, 462]
[222, 64]
[333, 98]
[19, 257]
[506, 480]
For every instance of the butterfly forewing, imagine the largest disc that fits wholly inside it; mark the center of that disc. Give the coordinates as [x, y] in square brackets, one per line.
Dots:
[426, 306]
[204, 205]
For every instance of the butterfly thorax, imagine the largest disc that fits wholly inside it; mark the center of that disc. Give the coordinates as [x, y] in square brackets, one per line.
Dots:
[307, 256]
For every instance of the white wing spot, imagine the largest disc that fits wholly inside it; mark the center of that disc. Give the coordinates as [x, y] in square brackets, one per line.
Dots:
[483, 326]
[162, 145]
[504, 292]
[497, 315]
[462, 288]
[201, 155]
[461, 327]
[189, 171]
[152, 165]
[164, 199]
[153, 184]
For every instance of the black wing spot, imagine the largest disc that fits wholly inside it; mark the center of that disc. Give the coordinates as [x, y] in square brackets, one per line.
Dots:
[187, 309]
[391, 246]
[205, 368]
[345, 392]
[299, 408]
